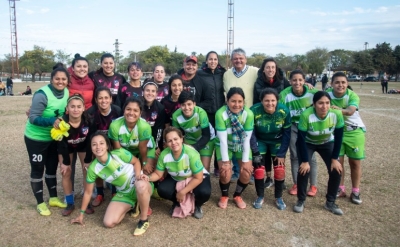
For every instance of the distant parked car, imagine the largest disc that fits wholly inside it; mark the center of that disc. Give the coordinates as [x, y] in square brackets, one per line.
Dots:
[354, 78]
[371, 78]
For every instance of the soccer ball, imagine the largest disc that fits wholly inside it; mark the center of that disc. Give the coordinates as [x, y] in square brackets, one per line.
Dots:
[372, 91]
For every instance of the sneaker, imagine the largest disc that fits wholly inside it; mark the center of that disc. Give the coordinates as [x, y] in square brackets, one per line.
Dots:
[89, 210]
[55, 202]
[280, 204]
[293, 190]
[223, 202]
[68, 210]
[251, 182]
[299, 207]
[257, 204]
[198, 212]
[141, 228]
[239, 202]
[234, 178]
[135, 211]
[312, 191]
[216, 173]
[97, 201]
[355, 198]
[331, 206]
[43, 209]
[268, 182]
[340, 193]
[149, 211]
[171, 210]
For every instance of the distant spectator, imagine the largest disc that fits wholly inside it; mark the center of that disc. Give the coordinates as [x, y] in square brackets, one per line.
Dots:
[312, 81]
[384, 83]
[2, 88]
[28, 91]
[10, 84]
[324, 81]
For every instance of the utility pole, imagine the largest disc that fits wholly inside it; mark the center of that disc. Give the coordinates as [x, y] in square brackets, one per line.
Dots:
[14, 43]
[366, 45]
[117, 52]
[230, 27]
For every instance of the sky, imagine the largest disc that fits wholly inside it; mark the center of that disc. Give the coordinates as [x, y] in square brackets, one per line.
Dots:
[260, 26]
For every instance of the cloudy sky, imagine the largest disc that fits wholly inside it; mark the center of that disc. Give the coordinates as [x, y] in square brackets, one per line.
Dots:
[271, 27]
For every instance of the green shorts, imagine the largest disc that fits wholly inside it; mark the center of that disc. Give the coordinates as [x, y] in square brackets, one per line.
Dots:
[208, 150]
[353, 145]
[264, 147]
[130, 197]
[238, 155]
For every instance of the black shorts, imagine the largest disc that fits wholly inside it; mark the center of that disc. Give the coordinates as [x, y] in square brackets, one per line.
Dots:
[42, 153]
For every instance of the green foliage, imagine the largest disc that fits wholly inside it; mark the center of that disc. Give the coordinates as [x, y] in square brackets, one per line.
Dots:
[341, 59]
[317, 60]
[5, 64]
[62, 57]
[256, 59]
[37, 60]
[94, 60]
[363, 63]
[382, 56]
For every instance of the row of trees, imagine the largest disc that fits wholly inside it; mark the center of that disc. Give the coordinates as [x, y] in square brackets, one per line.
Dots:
[382, 58]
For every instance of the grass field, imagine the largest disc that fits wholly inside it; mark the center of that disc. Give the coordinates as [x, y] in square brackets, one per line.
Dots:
[376, 222]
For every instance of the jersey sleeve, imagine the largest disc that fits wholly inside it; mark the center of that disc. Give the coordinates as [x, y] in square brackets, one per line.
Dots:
[113, 131]
[219, 121]
[303, 123]
[160, 162]
[204, 123]
[144, 131]
[249, 124]
[175, 118]
[354, 100]
[288, 119]
[340, 120]
[123, 154]
[91, 175]
[195, 163]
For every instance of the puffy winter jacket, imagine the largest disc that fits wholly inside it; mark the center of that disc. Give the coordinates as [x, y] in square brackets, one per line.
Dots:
[261, 83]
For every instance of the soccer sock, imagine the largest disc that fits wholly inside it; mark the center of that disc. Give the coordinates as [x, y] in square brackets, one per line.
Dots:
[355, 190]
[51, 182]
[240, 187]
[113, 189]
[100, 191]
[259, 183]
[37, 188]
[70, 199]
[342, 188]
[224, 188]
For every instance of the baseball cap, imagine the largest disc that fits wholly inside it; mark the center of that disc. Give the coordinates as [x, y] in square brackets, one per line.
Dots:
[190, 58]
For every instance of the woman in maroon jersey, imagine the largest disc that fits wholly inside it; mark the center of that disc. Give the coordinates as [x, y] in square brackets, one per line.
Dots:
[134, 86]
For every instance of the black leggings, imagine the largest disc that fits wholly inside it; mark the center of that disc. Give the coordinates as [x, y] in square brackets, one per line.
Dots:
[42, 156]
[259, 184]
[325, 151]
[384, 87]
[166, 189]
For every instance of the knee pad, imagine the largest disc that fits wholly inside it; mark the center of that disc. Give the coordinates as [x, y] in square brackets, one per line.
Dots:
[259, 173]
[279, 173]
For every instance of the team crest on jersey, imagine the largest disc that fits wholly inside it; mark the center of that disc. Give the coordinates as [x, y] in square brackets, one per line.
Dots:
[85, 130]
[154, 115]
[116, 83]
[165, 91]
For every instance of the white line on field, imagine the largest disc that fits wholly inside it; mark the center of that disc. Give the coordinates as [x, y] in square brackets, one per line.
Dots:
[379, 96]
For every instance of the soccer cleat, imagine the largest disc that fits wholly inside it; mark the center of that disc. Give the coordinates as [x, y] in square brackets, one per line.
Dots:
[293, 190]
[223, 202]
[299, 207]
[280, 204]
[141, 228]
[312, 191]
[257, 204]
[149, 211]
[68, 210]
[155, 195]
[174, 205]
[55, 202]
[97, 201]
[89, 210]
[135, 211]
[340, 193]
[239, 202]
[268, 182]
[43, 209]
[198, 212]
[355, 198]
[331, 206]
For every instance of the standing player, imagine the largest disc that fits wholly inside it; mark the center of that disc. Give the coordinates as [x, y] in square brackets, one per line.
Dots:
[133, 87]
[297, 98]
[194, 122]
[271, 135]
[48, 106]
[170, 102]
[353, 145]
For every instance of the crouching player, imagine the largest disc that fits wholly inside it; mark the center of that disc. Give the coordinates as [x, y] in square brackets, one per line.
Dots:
[120, 168]
[354, 133]
[272, 126]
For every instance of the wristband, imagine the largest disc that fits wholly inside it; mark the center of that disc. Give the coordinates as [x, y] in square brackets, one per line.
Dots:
[144, 163]
[83, 211]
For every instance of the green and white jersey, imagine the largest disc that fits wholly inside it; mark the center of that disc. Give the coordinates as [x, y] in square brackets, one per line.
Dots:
[130, 139]
[297, 104]
[188, 164]
[192, 125]
[223, 123]
[268, 128]
[320, 131]
[117, 170]
[350, 98]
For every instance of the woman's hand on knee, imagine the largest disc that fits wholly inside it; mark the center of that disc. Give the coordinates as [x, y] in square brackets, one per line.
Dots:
[65, 170]
[304, 168]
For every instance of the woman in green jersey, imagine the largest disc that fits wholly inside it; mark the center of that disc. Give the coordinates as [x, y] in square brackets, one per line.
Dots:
[321, 131]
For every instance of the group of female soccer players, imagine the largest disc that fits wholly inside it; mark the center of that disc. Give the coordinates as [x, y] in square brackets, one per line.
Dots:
[149, 138]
